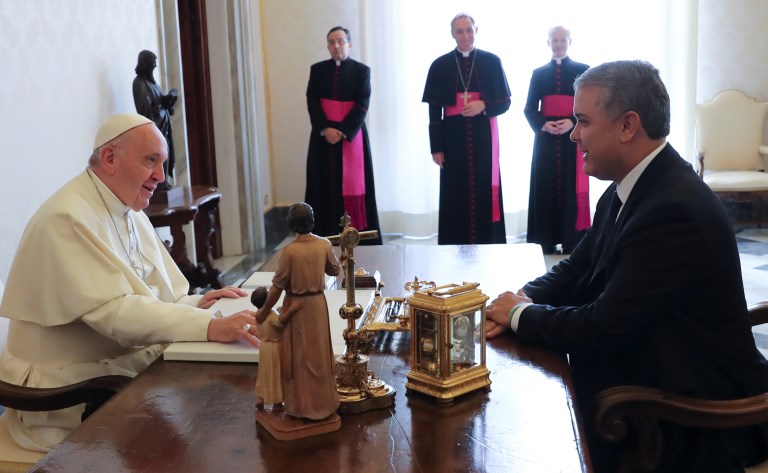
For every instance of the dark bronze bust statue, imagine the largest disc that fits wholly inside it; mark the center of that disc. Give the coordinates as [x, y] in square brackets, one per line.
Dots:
[153, 104]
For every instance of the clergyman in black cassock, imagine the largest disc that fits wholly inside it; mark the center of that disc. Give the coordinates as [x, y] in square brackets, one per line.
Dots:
[339, 166]
[558, 203]
[466, 90]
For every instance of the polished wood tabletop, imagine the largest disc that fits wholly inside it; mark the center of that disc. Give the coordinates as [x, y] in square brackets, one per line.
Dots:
[200, 417]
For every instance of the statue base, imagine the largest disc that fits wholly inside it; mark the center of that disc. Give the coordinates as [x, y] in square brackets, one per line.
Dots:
[283, 427]
[170, 196]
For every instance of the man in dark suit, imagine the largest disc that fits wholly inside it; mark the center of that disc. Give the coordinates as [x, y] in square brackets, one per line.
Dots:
[339, 164]
[652, 296]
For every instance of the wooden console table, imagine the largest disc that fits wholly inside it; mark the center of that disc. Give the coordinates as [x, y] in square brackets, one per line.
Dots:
[198, 204]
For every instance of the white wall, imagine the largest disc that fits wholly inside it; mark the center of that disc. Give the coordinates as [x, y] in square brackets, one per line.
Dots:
[66, 67]
[732, 39]
[293, 35]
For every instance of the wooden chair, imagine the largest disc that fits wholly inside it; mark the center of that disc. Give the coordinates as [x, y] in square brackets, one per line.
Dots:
[92, 392]
[625, 409]
[730, 132]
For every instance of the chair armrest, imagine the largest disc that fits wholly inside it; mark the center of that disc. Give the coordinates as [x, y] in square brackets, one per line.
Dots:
[758, 313]
[763, 150]
[47, 399]
[617, 403]
[637, 409]
[700, 159]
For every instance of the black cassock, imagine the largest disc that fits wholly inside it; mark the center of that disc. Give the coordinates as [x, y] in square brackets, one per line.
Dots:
[552, 200]
[465, 215]
[348, 82]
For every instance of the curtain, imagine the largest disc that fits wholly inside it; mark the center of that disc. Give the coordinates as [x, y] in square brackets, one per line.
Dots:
[399, 39]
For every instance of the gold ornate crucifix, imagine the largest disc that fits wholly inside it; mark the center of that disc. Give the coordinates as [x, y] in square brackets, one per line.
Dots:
[359, 390]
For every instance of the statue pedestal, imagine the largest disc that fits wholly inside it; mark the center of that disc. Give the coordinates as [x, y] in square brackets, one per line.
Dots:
[281, 426]
[170, 196]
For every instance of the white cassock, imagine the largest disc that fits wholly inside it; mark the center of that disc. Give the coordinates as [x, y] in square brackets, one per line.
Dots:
[88, 295]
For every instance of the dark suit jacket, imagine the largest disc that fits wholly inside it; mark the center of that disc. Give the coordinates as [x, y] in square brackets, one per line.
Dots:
[661, 304]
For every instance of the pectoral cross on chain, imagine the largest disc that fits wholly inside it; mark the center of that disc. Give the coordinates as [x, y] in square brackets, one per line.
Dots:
[466, 96]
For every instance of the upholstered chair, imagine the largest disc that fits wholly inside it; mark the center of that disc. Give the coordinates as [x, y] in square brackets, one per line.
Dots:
[732, 155]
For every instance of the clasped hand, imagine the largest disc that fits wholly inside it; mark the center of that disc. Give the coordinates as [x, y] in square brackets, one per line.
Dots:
[475, 107]
[333, 136]
[558, 127]
[497, 312]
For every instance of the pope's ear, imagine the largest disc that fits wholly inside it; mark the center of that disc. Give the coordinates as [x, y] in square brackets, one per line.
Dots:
[107, 157]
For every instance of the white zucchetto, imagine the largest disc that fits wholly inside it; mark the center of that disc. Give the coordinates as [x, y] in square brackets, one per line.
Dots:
[116, 125]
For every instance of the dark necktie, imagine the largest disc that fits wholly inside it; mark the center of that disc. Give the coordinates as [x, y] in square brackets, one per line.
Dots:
[605, 240]
[610, 224]
[613, 211]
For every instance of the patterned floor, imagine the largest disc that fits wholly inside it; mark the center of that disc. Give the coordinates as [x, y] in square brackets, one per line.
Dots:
[753, 250]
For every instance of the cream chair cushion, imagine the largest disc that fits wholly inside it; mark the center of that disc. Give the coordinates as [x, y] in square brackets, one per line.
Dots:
[736, 181]
[729, 130]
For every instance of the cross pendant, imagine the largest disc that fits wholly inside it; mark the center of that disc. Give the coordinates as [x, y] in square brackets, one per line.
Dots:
[465, 95]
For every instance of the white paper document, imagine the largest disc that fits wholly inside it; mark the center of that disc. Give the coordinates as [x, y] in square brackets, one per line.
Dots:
[241, 351]
[264, 278]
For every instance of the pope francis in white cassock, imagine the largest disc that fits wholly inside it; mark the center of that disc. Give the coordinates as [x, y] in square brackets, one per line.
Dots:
[92, 291]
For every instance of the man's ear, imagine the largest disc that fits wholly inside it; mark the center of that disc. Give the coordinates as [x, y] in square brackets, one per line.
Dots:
[107, 157]
[630, 125]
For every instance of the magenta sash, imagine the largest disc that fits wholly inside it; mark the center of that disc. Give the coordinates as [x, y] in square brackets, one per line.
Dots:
[557, 105]
[455, 109]
[352, 167]
[562, 106]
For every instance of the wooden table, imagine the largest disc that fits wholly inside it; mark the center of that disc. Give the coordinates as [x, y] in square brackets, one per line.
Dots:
[198, 204]
[199, 417]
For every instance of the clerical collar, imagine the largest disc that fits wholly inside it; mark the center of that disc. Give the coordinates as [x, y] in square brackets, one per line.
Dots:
[114, 205]
[559, 60]
[465, 53]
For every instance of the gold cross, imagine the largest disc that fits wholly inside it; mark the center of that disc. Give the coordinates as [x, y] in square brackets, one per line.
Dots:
[348, 239]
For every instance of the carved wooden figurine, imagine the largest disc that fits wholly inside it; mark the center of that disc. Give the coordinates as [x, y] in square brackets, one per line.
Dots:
[269, 383]
[309, 381]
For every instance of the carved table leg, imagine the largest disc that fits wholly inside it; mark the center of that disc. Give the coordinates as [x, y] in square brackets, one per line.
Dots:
[205, 226]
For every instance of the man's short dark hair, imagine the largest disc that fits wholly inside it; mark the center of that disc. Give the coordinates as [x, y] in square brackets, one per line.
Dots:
[340, 28]
[634, 86]
[301, 218]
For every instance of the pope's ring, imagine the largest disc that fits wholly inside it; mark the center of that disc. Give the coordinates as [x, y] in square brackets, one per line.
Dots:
[247, 327]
